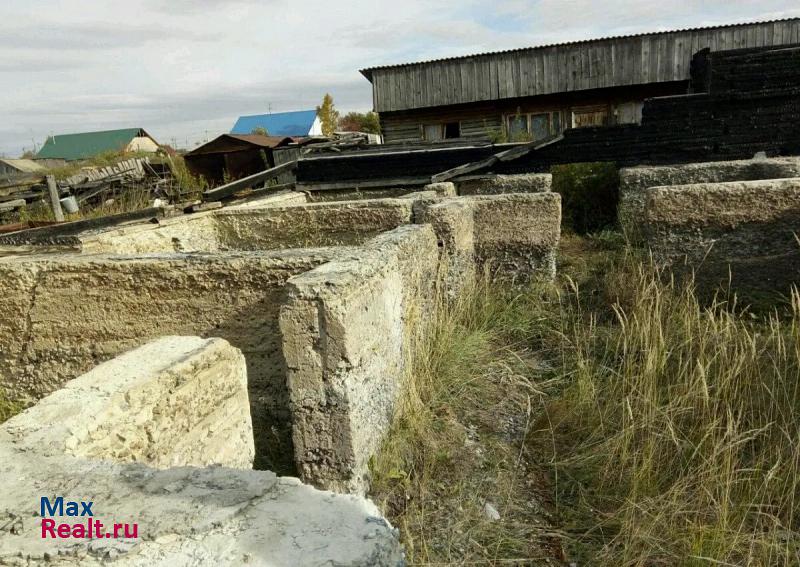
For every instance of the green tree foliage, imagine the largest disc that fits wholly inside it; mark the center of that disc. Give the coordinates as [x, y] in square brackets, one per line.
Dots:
[328, 115]
[260, 131]
[360, 122]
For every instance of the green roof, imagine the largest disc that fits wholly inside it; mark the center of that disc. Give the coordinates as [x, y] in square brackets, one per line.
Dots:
[88, 144]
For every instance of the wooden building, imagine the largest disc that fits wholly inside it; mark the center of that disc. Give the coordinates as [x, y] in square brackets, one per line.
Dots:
[532, 93]
[232, 156]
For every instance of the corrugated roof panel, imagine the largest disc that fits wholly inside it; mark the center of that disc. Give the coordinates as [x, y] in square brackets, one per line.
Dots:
[367, 72]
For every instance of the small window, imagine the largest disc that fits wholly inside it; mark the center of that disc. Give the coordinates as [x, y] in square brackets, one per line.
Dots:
[452, 130]
[432, 132]
[533, 127]
[540, 126]
[517, 126]
[446, 131]
[589, 116]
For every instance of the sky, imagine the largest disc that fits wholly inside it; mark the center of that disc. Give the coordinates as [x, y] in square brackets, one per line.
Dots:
[184, 70]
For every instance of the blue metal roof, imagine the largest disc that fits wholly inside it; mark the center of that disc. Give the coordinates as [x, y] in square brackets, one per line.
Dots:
[296, 123]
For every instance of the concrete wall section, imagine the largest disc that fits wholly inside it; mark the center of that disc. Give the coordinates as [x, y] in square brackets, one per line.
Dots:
[62, 315]
[176, 401]
[191, 233]
[516, 235]
[634, 182]
[743, 229]
[316, 224]
[500, 184]
[454, 225]
[348, 327]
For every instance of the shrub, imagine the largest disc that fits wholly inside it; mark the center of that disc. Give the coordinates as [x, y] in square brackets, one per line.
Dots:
[589, 194]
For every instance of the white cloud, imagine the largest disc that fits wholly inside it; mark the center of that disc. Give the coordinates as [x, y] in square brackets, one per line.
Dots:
[181, 67]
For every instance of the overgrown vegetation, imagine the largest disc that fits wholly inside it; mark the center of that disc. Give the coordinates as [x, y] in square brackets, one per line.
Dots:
[589, 195]
[8, 409]
[655, 430]
[185, 185]
[360, 122]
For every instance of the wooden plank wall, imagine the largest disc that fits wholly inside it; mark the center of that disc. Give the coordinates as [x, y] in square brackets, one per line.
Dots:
[605, 63]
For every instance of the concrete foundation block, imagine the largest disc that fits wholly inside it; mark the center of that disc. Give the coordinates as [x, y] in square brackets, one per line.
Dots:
[444, 189]
[634, 182]
[501, 184]
[345, 223]
[68, 313]
[453, 222]
[280, 199]
[744, 232]
[348, 328]
[176, 401]
[517, 235]
[184, 516]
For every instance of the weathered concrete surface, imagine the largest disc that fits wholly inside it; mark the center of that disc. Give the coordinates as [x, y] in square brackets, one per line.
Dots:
[501, 184]
[634, 182]
[176, 401]
[354, 194]
[516, 235]
[742, 229]
[444, 189]
[188, 233]
[62, 315]
[454, 225]
[344, 223]
[280, 199]
[186, 516]
[348, 326]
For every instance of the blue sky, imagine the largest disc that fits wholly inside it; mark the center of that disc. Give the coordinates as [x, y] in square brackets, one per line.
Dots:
[186, 69]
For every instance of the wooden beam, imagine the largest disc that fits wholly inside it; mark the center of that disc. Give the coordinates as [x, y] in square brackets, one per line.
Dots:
[360, 184]
[54, 199]
[506, 155]
[247, 182]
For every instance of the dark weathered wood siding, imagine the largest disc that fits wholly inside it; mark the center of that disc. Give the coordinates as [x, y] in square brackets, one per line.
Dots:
[484, 120]
[651, 58]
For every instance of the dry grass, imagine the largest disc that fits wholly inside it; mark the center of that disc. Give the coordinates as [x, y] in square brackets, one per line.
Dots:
[185, 186]
[653, 429]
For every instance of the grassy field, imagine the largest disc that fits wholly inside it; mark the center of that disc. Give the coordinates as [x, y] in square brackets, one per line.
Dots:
[607, 418]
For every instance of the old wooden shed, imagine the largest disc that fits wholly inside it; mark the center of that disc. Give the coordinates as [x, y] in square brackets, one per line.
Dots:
[535, 92]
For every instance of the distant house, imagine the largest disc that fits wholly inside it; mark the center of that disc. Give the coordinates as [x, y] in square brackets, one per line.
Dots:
[231, 156]
[72, 147]
[298, 123]
[15, 167]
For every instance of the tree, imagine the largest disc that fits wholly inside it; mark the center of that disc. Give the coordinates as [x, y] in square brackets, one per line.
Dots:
[260, 131]
[360, 122]
[328, 115]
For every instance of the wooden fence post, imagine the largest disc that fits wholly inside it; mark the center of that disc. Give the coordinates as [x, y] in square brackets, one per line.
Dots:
[54, 200]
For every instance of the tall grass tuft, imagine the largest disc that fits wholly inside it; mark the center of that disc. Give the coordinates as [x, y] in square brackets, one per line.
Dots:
[677, 433]
[651, 429]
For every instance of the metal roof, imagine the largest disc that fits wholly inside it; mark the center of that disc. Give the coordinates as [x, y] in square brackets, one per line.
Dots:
[297, 123]
[367, 72]
[217, 145]
[88, 144]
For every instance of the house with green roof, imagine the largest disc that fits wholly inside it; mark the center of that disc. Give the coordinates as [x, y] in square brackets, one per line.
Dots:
[71, 147]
